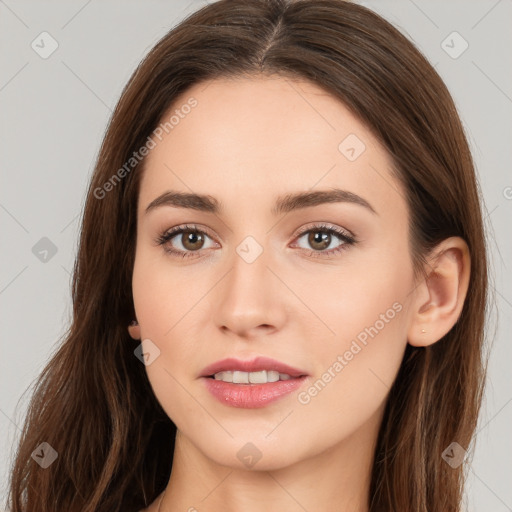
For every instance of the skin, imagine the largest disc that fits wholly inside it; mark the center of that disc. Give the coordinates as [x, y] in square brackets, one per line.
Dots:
[246, 142]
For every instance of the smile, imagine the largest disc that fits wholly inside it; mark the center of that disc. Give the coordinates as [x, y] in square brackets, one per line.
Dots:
[241, 377]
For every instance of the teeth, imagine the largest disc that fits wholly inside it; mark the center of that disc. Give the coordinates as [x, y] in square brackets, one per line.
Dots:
[240, 378]
[262, 377]
[255, 377]
[225, 376]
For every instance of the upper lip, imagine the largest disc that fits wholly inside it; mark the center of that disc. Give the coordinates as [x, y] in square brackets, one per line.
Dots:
[254, 365]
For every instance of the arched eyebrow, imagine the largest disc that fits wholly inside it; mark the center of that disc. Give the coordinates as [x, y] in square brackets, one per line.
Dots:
[283, 204]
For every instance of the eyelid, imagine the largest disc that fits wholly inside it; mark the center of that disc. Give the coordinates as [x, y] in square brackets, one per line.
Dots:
[186, 227]
[313, 225]
[324, 226]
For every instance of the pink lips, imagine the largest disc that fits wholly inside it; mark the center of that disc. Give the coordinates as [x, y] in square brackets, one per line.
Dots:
[251, 396]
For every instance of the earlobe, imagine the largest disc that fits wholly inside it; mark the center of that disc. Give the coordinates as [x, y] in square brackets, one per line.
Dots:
[439, 299]
[134, 330]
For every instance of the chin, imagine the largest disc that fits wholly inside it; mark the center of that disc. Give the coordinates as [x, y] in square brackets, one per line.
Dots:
[253, 451]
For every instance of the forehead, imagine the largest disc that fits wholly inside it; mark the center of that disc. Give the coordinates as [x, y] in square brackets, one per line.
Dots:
[246, 137]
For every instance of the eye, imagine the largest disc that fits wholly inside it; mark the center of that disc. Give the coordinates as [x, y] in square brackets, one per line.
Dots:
[191, 240]
[321, 236]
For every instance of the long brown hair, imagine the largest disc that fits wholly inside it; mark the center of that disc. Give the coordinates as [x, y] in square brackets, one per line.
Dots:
[93, 403]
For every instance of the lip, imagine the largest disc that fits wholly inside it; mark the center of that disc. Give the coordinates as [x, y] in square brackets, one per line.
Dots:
[251, 396]
[254, 365]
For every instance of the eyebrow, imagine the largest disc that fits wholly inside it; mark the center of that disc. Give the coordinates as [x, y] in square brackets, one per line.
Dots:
[283, 204]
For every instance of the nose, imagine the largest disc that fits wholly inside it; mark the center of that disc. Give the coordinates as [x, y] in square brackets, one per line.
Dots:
[250, 300]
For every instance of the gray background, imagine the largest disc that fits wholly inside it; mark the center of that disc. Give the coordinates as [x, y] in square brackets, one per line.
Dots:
[54, 114]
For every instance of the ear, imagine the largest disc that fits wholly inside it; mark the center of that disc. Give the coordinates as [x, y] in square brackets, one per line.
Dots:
[439, 297]
[134, 330]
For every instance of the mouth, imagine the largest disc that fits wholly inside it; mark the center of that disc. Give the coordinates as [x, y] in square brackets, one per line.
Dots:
[257, 371]
[251, 384]
[260, 377]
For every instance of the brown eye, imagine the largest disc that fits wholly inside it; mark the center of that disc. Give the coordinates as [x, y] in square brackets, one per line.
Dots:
[192, 240]
[319, 240]
[185, 241]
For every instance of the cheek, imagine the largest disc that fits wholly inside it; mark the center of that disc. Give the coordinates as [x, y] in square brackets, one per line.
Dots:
[356, 369]
[159, 293]
[169, 308]
[364, 298]
[357, 363]
[162, 298]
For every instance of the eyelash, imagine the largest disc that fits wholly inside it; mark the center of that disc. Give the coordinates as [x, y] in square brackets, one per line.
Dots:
[343, 235]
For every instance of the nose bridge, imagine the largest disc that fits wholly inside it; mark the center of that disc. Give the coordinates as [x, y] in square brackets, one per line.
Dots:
[249, 276]
[248, 296]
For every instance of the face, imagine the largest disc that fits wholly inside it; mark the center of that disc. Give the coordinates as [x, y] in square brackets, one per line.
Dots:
[320, 284]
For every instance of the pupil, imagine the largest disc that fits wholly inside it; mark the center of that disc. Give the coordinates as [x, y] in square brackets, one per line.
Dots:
[321, 238]
[192, 238]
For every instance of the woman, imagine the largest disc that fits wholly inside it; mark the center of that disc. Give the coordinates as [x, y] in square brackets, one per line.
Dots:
[279, 296]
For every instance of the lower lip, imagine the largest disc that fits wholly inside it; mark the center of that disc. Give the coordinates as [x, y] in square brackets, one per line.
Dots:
[251, 396]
